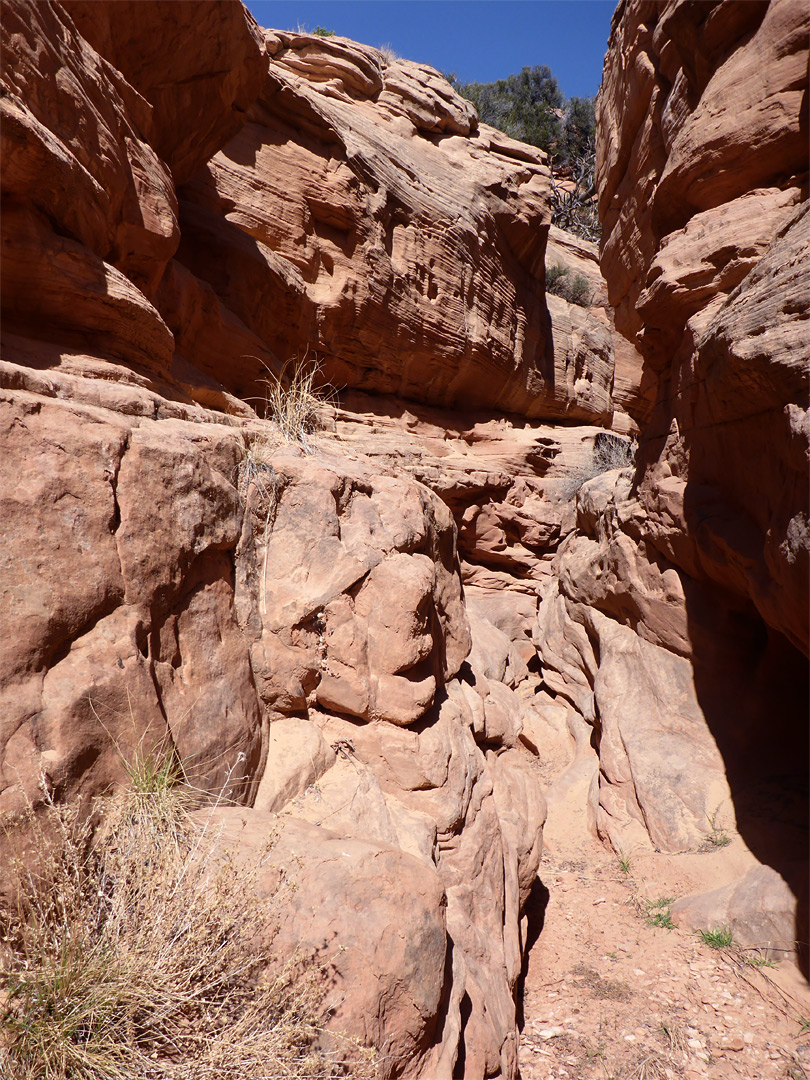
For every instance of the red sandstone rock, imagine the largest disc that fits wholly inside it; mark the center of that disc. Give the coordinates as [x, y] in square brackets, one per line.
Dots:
[311, 639]
[680, 615]
[758, 909]
[432, 290]
[387, 958]
[89, 211]
[705, 253]
[200, 67]
[133, 631]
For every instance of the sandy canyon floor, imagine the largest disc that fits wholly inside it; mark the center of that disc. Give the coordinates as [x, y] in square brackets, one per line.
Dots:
[610, 995]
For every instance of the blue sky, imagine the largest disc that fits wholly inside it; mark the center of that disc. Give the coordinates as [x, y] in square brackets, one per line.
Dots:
[480, 40]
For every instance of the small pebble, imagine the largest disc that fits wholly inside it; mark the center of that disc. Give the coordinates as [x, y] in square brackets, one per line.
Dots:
[733, 1042]
[550, 1033]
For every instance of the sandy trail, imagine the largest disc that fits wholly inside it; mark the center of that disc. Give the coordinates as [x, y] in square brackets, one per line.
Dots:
[609, 995]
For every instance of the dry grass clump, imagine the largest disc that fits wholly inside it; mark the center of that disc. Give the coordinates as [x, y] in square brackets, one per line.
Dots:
[294, 400]
[133, 954]
[609, 452]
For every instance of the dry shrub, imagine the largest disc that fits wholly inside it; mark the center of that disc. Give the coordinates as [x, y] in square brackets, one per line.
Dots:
[294, 401]
[261, 487]
[134, 954]
[609, 452]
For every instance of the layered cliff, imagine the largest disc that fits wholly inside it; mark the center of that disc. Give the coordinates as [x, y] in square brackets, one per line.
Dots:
[187, 206]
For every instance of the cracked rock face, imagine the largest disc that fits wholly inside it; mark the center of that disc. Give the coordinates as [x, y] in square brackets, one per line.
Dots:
[346, 643]
[301, 641]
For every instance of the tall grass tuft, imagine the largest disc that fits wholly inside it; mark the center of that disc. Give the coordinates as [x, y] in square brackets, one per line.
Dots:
[609, 452]
[294, 400]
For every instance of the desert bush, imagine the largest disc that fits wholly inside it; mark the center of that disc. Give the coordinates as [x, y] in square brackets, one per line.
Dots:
[531, 107]
[609, 452]
[388, 54]
[133, 954]
[574, 288]
[528, 106]
[612, 452]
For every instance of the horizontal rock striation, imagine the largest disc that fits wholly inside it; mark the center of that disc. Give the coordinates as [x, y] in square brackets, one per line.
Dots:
[362, 214]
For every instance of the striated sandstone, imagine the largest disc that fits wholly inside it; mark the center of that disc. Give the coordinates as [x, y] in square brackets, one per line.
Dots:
[363, 214]
[301, 641]
[351, 642]
[198, 93]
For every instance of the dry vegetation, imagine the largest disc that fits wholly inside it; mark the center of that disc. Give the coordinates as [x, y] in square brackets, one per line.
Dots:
[609, 452]
[294, 400]
[133, 953]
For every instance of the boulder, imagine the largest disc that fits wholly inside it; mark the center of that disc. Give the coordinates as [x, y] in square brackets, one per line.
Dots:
[386, 960]
[759, 909]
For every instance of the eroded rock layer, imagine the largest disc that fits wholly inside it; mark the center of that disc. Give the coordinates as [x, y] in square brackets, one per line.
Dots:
[370, 640]
[364, 216]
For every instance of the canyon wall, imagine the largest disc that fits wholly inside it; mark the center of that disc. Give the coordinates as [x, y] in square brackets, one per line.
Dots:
[378, 639]
[190, 203]
[677, 626]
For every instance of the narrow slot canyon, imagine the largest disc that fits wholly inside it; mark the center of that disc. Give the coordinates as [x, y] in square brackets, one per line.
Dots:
[449, 567]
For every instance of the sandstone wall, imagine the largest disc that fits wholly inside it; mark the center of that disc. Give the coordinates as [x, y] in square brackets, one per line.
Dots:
[678, 624]
[364, 216]
[188, 202]
[375, 645]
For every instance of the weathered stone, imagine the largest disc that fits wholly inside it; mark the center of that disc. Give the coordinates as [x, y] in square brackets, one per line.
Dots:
[328, 240]
[759, 909]
[386, 958]
[198, 94]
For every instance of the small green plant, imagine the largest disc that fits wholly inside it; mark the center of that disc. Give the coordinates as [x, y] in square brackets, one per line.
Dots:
[719, 938]
[673, 1035]
[625, 865]
[573, 288]
[757, 959]
[595, 1053]
[804, 1024]
[658, 913]
[717, 838]
[321, 31]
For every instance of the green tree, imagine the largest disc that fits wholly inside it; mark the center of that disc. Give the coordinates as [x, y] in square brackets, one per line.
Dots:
[530, 106]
